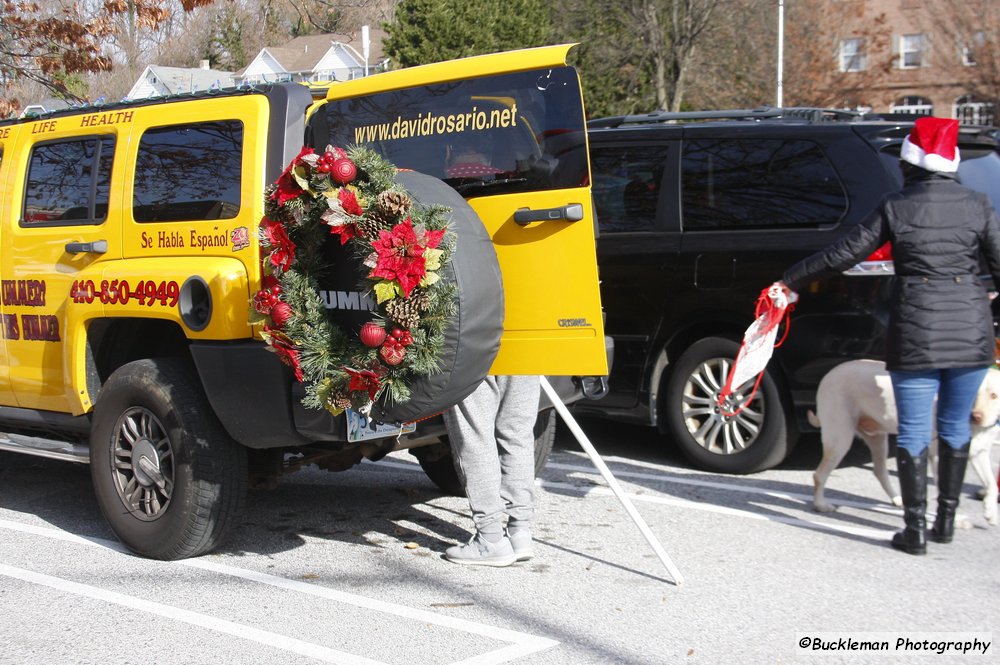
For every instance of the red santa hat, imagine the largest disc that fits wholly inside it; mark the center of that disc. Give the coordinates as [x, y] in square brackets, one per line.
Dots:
[932, 145]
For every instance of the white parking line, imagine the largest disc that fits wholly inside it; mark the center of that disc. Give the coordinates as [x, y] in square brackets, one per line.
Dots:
[522, 643]
[242, 631]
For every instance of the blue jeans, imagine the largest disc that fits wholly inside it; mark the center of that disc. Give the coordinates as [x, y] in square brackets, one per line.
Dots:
[955, 390]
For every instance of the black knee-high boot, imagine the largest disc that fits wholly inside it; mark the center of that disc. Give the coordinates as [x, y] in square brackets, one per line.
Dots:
[951, 474]
[912, 471]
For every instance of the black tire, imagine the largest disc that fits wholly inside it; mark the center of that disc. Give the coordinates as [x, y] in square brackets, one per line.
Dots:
[441, 468]
[757, 438]
[192, 483]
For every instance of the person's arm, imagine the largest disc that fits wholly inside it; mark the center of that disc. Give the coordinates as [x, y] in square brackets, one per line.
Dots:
[854, 247]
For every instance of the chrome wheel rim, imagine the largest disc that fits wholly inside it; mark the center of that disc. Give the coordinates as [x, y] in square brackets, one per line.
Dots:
[142, 464]
[724, 430]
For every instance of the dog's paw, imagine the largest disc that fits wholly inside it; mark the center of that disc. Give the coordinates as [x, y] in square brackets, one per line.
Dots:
[897, 501]
[962, 522]
[990, 512]
[824, 507]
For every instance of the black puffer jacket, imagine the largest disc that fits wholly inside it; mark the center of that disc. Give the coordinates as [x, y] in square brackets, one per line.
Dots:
[940, 316]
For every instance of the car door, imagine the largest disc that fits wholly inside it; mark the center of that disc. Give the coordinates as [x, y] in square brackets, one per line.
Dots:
[636, 205]
[506, 131]
[60, 200]
[7, 135]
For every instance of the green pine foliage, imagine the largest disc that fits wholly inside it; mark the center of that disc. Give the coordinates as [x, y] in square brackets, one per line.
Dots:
[324, 350]
[426, 31]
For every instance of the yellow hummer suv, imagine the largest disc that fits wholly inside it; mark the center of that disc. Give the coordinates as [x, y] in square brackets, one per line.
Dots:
[130, 255]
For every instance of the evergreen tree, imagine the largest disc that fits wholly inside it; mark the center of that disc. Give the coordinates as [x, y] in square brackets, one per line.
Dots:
[425, 31]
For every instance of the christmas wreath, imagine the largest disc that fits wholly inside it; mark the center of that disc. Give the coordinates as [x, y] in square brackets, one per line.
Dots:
[352, 196]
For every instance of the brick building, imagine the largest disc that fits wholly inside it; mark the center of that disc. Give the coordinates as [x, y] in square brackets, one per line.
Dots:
[935, 57]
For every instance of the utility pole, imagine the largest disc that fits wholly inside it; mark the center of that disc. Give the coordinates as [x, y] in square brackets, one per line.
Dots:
[780, 97]
[365, 45]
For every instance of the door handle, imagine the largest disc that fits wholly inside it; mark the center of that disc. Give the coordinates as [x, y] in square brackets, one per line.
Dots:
[571, 212]
[96, 247]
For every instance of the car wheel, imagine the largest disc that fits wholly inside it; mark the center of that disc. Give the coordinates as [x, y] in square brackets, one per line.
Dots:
[757, 437]
[168, 478]
[441, 468]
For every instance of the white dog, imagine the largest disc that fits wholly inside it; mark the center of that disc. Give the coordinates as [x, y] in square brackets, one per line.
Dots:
[855, 398]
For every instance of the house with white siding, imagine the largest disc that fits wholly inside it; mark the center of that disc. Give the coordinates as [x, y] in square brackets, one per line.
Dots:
[159, 81]
[316, 58]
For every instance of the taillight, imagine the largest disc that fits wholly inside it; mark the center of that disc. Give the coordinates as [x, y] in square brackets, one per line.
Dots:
[878, 263]
[883, 253]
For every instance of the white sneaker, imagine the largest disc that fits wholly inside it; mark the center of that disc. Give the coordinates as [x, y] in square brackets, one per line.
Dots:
[480, 552]
[520, 541]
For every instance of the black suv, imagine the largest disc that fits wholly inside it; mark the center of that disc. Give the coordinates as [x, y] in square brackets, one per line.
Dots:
[696, 218]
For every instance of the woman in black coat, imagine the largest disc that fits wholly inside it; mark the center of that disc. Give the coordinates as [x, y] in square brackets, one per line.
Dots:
[941, 338]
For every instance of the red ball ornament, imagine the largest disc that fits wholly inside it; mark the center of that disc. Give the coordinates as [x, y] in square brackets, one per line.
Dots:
[281, 313]
[343, 171]
[392, 354]
[372, 334]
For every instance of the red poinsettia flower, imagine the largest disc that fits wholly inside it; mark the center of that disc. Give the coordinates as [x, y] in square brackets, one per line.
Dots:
[401, 254]
[364, 379]
[282, 248]
[340, 214]
[286, 351]
[349, 202]
[287, 187]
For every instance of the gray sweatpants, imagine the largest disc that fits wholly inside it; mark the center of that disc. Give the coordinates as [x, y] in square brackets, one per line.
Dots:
[493, 443]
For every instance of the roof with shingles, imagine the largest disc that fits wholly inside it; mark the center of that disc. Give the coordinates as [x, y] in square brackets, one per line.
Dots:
[302, 54]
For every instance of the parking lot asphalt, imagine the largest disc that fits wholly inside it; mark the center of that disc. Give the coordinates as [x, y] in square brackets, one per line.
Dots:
[347, 568]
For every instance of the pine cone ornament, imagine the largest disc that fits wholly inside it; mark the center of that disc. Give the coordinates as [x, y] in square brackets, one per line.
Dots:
[340, 403]
[392, 205]
[369, 225]
[406, 311]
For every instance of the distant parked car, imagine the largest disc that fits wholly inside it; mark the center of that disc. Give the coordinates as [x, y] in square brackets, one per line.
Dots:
[696, 218]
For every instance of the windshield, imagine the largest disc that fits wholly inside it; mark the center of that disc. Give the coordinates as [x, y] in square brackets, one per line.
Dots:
[501, 134]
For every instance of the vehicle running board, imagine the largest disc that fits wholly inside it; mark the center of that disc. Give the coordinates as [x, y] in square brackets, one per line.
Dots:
[41, 447]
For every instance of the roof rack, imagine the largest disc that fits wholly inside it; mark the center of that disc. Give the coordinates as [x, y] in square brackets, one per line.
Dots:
[760, 113]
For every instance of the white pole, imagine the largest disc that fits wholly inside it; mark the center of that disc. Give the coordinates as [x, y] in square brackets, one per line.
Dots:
[611, 481]
[780, 100]
[365, 45]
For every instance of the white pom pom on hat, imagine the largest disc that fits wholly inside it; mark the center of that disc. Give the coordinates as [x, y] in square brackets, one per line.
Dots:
[932, 145]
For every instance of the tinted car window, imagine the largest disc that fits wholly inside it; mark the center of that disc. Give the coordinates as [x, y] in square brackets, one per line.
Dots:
[979, 169]
[69, 182]
[492, 135]
[189, 172]
[731, 184]
[626, 186]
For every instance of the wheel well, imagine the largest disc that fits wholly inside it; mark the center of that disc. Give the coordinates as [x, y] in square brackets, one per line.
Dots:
[112, 343]
[683, 339]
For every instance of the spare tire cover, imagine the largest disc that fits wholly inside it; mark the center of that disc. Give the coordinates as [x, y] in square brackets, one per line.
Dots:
[472, 339]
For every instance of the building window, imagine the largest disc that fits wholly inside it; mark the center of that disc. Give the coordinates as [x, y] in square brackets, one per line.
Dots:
[852, 55]
[913, 104]
[971, 111]
[971, 47]
[911, 51]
